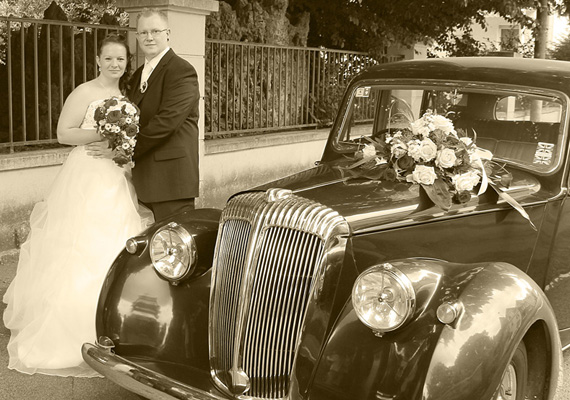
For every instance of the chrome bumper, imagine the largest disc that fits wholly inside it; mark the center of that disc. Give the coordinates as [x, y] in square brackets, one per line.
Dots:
[140, 380]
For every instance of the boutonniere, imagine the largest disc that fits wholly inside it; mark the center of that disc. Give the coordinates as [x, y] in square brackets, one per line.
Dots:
[144, 86]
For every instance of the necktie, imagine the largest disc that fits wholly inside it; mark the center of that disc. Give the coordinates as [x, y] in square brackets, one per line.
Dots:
[144, 76]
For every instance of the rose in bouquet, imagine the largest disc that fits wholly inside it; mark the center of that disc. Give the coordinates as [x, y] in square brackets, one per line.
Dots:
[118, 121]
[430, 153]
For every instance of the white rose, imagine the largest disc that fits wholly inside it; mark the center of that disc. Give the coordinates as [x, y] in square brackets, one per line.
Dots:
[129, 108]
[368, 152]
[428, 150]
[422, 174]
[465, 181]
[419, 127]
[443, 124]
[414, 147]
[125, 146]
[445, 158]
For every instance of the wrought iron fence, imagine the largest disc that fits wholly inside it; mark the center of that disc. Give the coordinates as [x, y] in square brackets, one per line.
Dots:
[249, 88]
[253, 88]
[41, 61]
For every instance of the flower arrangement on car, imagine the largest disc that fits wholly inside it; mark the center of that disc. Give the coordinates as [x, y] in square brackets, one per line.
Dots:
[118, 121]
[429, 153]
[446, 163]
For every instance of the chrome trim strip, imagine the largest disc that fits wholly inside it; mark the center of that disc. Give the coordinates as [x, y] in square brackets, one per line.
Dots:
[444, 216]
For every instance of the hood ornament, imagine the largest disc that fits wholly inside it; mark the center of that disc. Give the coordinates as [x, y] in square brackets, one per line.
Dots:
[275, 194]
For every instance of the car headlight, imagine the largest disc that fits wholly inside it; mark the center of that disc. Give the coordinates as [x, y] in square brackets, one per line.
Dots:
[173, 252]
[383, 298]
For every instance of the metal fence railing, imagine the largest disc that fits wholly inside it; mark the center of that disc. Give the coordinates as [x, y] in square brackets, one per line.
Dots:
[252, 88]
[249, 88]
[41, 61]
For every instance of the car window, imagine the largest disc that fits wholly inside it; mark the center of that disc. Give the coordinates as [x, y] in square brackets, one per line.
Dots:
[519, 128]
[527, 108]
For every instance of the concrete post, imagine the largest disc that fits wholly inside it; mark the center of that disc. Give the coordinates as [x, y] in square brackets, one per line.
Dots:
[187, 21]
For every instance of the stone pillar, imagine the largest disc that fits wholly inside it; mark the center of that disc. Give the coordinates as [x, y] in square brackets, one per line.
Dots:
[187, 21]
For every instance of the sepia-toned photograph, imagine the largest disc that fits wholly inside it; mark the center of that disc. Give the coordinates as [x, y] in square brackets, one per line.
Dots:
[284, 200]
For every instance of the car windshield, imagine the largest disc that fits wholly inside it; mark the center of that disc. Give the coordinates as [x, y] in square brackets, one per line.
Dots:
[517, 126]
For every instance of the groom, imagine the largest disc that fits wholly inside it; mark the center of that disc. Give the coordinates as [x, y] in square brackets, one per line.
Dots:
[165, 89]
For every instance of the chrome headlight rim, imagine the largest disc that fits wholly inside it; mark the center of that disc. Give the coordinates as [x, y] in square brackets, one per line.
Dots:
[406, 287]
[190, 249]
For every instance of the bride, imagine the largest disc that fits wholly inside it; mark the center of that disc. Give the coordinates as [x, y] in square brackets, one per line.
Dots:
[89, 213]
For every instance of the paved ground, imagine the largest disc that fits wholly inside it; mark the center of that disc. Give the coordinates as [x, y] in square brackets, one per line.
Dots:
[16, 386]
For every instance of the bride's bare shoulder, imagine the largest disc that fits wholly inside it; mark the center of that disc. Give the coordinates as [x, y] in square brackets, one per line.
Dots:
[86, 89]
[84, 94]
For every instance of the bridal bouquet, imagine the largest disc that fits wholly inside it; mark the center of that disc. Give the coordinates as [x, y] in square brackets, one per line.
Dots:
[429, 153]
[118, 121]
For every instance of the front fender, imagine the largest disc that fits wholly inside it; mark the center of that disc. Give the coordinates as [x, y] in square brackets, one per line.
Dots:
[150, 319]
[501, 306]
[428, 360]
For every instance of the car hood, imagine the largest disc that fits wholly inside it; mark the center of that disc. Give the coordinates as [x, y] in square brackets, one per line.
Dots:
[363, 202]
[369, 204]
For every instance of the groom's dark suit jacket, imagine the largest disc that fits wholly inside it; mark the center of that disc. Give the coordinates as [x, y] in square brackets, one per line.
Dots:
[166, 153]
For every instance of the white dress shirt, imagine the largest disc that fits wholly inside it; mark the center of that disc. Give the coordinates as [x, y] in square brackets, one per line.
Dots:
[149, 66]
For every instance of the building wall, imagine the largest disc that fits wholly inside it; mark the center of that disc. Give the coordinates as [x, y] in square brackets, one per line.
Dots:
[491, 35]
[227, 166]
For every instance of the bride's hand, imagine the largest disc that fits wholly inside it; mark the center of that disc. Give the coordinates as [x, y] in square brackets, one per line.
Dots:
[99, 149]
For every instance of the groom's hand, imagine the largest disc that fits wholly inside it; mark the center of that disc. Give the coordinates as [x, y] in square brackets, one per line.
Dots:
[99, 149]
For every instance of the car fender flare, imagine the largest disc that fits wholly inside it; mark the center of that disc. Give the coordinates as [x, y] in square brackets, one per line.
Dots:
[500, 306]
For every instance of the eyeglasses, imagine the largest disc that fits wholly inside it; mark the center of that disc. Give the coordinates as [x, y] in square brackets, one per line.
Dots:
[154, 33]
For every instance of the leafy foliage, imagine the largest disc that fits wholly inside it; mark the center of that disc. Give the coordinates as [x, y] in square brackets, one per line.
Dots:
[374, 24]
[561, 50]
[88, 11]
[371, 25]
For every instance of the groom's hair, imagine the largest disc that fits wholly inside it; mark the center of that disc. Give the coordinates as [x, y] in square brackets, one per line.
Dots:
[147, 12]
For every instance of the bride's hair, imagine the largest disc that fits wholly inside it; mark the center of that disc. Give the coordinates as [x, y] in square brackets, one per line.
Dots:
[122, 40]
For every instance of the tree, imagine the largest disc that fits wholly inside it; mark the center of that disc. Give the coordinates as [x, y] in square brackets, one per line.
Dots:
[561, 50]
[261, 21]
[89, 11]
[372, 25]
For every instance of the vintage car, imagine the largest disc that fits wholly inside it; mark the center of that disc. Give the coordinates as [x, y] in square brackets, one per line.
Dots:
[425, 256]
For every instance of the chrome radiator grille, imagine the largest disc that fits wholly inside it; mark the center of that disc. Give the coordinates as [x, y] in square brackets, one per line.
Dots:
[267, 258]
[234, 242]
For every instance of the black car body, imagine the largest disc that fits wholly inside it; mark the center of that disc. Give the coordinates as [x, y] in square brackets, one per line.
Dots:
[341, 283]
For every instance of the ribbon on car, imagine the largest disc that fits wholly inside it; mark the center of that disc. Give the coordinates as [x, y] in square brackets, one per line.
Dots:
[499, 179]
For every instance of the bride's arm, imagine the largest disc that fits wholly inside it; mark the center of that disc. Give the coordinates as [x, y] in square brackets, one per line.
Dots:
[72, 114]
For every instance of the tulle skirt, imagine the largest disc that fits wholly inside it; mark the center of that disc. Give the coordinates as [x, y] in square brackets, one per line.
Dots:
[75, 235]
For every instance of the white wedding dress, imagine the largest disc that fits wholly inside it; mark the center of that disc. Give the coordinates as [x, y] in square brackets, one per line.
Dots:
[76, 233]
